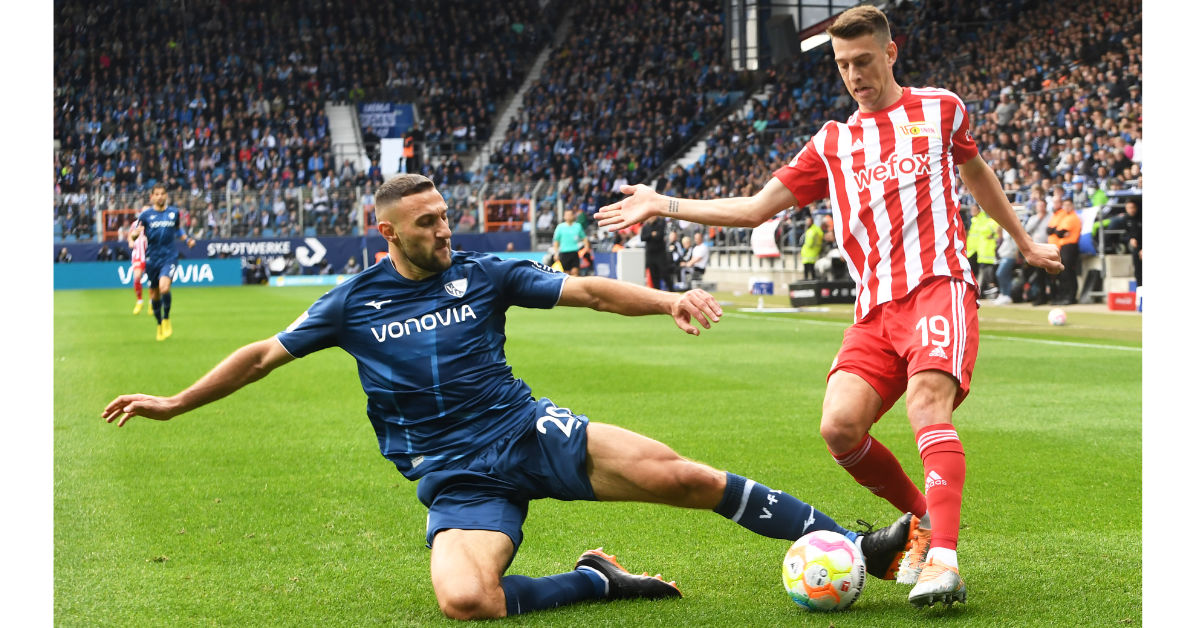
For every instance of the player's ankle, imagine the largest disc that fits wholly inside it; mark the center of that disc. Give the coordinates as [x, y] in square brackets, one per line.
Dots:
[943, 555]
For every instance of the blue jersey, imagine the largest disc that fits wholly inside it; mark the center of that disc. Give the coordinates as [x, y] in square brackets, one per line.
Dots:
[161, 228]
[431, 353]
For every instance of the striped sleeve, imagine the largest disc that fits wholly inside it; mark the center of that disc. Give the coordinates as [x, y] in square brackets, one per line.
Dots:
[806, 175]
[963, 148]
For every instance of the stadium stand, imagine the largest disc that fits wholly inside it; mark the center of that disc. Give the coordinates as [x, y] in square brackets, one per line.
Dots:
[630, 87]
[1053, 91]
[226, 102]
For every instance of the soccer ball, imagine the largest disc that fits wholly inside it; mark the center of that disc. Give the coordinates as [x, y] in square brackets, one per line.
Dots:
[1057, 316]
[824, 571]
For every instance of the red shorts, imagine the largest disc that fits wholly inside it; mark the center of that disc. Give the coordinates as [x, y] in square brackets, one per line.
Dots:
[934, 327]
[140, 265]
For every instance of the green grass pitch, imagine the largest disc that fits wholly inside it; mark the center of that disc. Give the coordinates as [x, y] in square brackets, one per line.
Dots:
[273, 507]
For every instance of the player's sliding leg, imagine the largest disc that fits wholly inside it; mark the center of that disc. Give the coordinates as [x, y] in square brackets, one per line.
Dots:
[619, 584]
[630, 467]
[930, 403]
[466, 567]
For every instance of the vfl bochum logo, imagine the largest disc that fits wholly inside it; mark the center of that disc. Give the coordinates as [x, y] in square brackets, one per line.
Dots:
[457, 288]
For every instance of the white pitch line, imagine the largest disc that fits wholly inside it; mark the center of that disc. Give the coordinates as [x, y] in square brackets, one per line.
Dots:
[1061, 343]
[780, 319]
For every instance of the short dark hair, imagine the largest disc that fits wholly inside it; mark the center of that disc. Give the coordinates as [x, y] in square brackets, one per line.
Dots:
[859, 21]
[400, 186]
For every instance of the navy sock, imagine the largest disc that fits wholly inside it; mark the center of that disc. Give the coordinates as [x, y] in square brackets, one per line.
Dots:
[156, 304]
[166, 302]
[772, 513]
[523, 594]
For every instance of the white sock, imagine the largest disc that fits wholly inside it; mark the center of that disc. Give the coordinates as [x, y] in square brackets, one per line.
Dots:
[945, 556]
[924, 523]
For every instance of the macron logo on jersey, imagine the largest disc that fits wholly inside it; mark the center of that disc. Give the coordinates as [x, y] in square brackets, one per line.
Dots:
[457, 288]
[894, 167]
[428, 322]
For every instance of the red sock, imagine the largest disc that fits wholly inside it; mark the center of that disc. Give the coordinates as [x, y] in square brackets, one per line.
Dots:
[875, 467]
[137, 289]
[945, 473]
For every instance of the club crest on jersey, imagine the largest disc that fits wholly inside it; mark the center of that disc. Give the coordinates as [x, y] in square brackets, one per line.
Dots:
[918, 129]
[457, 288]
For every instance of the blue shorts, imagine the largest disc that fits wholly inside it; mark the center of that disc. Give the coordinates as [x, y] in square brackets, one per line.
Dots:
[492, 490]
[156, 268]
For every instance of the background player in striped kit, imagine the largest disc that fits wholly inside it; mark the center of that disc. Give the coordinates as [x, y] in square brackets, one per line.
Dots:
[137, 262]
[889, 174]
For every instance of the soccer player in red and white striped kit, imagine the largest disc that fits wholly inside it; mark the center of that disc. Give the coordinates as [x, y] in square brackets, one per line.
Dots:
[137, 261]
[888, 172]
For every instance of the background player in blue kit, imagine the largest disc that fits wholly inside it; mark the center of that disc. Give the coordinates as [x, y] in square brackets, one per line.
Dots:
[426, 326]
[160, 225]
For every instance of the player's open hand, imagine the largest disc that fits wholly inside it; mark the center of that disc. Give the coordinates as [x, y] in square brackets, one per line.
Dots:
[1045, 256]
[635, 208]
[699, 305]
[126, 406]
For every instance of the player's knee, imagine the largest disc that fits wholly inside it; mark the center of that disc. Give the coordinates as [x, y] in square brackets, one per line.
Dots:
[691, 484]
[840, 432]
[466, 603]
[700, 479]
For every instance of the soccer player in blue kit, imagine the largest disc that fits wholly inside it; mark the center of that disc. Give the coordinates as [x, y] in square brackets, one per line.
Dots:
[159, 224]
[426, 326]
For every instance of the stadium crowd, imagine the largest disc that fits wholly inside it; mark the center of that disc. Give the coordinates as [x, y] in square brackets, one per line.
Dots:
[226, 100]
[1054, 92]
[632, 85]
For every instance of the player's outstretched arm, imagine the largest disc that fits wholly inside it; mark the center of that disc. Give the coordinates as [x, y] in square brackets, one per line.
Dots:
[986, 189]
[609, 295]
[742, 211]
[248, 364]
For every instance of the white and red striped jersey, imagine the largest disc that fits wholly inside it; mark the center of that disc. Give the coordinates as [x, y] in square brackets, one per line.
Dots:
[889, 176]
[137, 252]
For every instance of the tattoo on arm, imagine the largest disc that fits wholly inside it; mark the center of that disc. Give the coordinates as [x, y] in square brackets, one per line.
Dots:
[673, 206]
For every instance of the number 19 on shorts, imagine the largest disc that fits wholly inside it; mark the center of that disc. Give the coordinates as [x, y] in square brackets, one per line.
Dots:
[936, 326]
